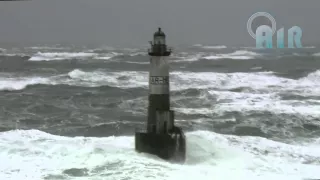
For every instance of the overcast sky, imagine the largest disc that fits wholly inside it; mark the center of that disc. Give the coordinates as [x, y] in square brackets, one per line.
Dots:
[132, 22]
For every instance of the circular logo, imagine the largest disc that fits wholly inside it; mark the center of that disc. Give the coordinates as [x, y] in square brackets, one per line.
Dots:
[263, 14]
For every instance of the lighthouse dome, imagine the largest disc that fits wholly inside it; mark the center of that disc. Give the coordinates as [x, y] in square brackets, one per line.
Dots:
[159, 33]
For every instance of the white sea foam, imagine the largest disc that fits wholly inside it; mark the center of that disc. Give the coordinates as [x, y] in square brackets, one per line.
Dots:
[126, 79]
[13, 54]
[246, 103]
[104, 48]
[60, 56]
[40, 56]
[241, 55]
[188, 58]
[260, 90]
[134, 62]
[33, 155]
[256, 68]
[46, 48]
[261, 93]
[263, 81]
[210, 47]
[107, 56]
[138, 54]
[103, 55]
[258, 81]
[21, 83]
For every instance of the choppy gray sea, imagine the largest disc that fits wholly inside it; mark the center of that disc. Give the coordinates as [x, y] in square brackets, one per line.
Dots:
[69, 112]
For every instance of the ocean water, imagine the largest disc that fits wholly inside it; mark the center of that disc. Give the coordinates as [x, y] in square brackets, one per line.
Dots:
[70, 112]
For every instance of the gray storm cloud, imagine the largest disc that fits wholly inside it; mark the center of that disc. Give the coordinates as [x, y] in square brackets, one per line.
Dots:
[132, 22]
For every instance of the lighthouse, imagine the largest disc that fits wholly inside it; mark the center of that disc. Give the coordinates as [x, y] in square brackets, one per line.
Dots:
[161, 137]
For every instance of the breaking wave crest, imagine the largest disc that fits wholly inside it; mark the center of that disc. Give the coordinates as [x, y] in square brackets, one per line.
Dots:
[180, 80]
[209, 155]
[101, 54]
[235, 92]
[241, 55]
[59, 56]
[210, 47]
[52, 56]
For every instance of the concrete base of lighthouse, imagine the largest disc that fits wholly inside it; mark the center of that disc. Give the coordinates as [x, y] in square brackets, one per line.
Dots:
[170, 146]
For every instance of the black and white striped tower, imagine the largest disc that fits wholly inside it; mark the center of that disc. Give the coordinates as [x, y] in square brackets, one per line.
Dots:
[159, 86]
[162, 137]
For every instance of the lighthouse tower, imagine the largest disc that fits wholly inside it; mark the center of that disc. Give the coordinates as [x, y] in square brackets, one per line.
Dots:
[162, 137]
[159, 98]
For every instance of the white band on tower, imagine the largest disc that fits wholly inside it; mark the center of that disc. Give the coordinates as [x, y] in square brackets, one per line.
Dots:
[159, 75]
